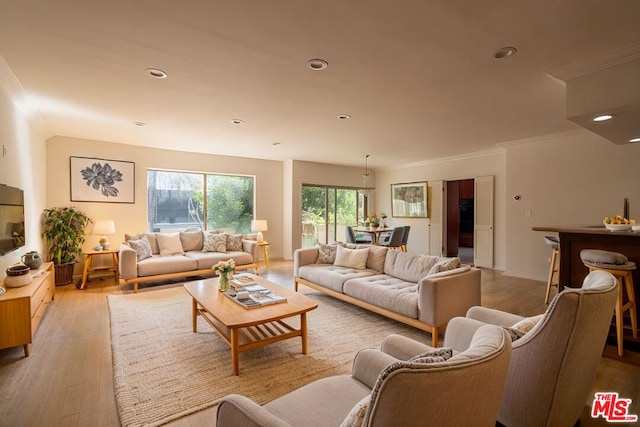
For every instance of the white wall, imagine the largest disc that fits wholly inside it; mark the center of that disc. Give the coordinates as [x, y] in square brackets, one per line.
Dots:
[464, 167]
[570, 179]
[566, 179]
[22, 165]
[132, 218]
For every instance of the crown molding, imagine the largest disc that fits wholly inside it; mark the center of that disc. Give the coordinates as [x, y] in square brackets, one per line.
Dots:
[614, 57]
[545, 138]
[467, 156]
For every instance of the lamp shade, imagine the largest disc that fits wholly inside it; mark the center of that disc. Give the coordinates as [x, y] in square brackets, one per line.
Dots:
[259, 225]
[104, 227]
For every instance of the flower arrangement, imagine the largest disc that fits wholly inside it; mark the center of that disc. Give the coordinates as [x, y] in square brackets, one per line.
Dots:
[224, 268]
[372, 220]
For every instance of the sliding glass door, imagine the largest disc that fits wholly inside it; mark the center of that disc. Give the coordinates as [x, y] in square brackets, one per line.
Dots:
[326, 211]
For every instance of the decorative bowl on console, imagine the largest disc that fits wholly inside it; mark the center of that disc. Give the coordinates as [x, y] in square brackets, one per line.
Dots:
[618, 227]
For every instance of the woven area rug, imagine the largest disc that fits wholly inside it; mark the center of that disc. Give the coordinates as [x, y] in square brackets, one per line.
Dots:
[163, 371]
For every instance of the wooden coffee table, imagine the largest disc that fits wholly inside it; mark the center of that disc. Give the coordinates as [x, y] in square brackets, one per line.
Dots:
[244, 329]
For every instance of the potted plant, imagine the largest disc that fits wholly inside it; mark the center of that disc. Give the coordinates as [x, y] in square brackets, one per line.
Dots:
[63, 229]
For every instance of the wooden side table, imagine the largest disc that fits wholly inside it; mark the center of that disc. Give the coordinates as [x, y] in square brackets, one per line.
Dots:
[265, 253]
[87, 265]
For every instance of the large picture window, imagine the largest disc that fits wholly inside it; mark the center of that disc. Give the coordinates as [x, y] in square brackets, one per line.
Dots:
[182, 200]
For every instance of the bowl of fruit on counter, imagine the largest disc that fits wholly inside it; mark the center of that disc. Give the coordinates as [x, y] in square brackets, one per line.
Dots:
[618, 223]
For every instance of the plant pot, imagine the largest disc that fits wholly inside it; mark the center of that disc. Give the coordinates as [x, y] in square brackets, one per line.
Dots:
[64, 273]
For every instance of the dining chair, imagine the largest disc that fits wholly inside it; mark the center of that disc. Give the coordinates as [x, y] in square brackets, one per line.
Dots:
[352, 238]
[405, 238]
[395, 241]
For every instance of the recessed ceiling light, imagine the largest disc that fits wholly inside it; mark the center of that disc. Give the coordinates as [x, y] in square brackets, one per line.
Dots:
[139, 124]
[317, 64]
[603, 118]
[634, 140]
[237, 121]
[344, 116]
[505, 52]
[156, 73]
[277, 144]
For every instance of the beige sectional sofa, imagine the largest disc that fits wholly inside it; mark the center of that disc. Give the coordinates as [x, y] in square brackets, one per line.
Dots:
[420, 290]
[150, 257]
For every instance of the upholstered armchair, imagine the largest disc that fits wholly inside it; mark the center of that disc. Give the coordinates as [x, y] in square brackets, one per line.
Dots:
[385, 389]
[554, 364]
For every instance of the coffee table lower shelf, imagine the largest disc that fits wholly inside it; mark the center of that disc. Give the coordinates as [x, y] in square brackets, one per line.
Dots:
[251, 336]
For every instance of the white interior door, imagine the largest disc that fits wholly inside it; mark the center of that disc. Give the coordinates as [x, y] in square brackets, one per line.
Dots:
[483, 222]
[436, 218]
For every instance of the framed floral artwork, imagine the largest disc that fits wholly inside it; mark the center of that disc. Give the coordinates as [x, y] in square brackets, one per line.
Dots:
[102, 180]
[409, 200]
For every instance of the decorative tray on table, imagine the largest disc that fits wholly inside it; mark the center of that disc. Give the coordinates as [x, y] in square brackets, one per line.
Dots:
[255, 298]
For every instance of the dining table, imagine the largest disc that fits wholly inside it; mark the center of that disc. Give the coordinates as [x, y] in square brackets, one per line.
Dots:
[375, 232]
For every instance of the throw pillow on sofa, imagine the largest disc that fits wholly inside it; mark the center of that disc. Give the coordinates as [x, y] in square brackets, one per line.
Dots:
[234, 242]
[326, 254]
[169, 243]
[155, 250]
[445, 264]
[351, 258]
[141, 246]
[215, 243]
[192, 240]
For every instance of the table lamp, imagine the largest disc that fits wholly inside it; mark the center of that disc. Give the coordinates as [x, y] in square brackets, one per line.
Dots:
[102, 228]
[259, 225]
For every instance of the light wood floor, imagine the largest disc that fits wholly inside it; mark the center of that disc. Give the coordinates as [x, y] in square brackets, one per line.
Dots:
[68, 379]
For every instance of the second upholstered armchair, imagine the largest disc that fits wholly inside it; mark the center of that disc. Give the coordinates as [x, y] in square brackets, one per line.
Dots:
[554, 364]
[387, 388]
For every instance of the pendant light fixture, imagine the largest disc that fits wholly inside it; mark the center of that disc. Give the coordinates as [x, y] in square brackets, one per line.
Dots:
[366, 189]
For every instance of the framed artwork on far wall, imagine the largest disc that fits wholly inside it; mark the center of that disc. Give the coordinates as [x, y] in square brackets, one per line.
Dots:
[409, 200]
[102, 180]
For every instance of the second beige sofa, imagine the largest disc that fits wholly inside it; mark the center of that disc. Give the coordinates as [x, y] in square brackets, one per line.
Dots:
[184, 254]
[420, 290]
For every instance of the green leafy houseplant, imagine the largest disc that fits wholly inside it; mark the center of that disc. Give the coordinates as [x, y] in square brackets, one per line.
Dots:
[63, 229]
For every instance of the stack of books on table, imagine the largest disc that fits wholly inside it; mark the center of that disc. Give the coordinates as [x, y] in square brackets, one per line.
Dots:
[242, 280]
[254, 296]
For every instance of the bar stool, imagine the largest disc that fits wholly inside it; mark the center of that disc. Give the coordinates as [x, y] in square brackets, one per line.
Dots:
[554, 265]
[618, 265]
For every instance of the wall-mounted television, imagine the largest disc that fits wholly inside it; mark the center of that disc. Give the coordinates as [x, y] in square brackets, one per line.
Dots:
[11, 219]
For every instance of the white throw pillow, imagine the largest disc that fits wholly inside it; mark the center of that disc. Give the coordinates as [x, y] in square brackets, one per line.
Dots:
[352, 258]
[169, 243]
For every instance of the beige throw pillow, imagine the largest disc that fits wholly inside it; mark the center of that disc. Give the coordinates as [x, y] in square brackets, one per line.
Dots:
[169, 243]
[445, 264]
[191, 240]
[352, 258]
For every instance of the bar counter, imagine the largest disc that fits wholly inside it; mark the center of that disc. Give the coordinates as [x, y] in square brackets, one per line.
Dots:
[574, 238]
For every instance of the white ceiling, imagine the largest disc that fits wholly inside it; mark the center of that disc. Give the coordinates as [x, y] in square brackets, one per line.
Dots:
[417, 76]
